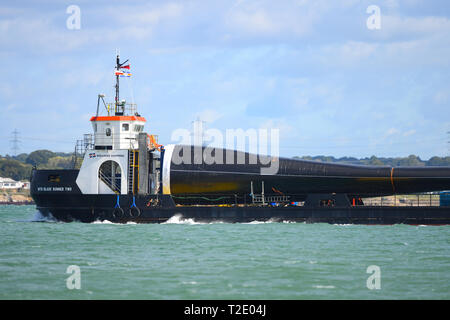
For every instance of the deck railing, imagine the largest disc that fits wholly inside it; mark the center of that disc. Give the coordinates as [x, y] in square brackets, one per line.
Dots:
[411, 200]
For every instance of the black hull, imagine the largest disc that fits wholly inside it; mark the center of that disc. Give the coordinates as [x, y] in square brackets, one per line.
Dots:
[101, 207]
[63, 200]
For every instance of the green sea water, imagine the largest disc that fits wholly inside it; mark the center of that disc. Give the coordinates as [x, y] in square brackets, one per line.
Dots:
[187, 260]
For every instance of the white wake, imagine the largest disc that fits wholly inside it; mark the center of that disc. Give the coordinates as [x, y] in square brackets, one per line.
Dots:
[179, 219]
[39, 217]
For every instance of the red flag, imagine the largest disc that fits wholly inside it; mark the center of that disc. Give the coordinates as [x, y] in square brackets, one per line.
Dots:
[126, 67]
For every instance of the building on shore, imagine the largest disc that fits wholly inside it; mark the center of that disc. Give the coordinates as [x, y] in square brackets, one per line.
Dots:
[8, 183]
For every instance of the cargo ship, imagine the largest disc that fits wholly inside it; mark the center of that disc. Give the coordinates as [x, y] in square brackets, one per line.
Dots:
[121, 173]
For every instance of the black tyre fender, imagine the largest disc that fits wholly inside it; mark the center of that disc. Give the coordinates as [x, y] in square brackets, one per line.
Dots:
[117, 213]
[134, 212]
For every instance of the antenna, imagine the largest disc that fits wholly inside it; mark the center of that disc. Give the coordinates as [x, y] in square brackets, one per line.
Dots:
[101, 96]
[117, 83]
[15, 142]
[117, 103]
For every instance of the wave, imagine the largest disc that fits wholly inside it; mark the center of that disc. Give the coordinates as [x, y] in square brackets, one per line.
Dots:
[103, 222]
[258, 222]
[39, 217]
[323, 287]
[179, 219]
[271, 220]
[113, 223]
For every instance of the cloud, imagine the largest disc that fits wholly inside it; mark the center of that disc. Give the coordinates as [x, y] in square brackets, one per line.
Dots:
[39, 32]
[354, 51]
[310, 67]
[146, 15]
[441, 97]
[269, 19]
[209, 115]
[398, 26]
[409, 133]
[392, 131]
[283, 125]
[6, 90]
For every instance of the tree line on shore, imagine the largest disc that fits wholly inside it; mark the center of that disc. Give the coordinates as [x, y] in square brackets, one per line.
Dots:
[410, 161]
[19, 167]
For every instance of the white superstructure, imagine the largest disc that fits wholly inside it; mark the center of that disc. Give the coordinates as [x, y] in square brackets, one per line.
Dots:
[111, 162]
[117, 132]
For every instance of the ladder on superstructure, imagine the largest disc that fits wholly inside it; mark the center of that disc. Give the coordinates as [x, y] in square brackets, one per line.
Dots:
[110, 182]
[133, 171]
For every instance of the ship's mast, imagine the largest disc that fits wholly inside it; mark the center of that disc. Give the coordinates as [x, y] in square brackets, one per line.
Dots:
[117, 84]
[118, 65]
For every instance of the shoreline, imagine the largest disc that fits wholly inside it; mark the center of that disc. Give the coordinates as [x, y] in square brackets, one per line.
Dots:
[17, 203]
[15, 197]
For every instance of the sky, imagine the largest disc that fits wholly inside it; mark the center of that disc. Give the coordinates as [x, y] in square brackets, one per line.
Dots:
[316, 70]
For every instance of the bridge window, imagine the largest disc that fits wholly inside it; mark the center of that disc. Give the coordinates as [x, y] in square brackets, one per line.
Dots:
[125, 127]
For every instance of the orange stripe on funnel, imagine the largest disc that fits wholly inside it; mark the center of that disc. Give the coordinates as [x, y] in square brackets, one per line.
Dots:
[119, 118]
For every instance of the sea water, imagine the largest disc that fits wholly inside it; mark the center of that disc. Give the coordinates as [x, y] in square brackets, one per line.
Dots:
[182, 259]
